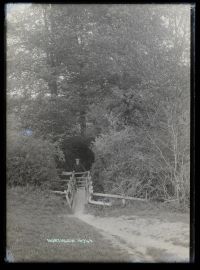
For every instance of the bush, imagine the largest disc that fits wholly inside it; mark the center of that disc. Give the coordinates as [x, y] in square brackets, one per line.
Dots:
[127, 163]
[30, 160]
[117, 162]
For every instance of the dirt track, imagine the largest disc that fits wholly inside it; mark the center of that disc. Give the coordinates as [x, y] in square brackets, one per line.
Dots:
[144, 239]
[33, 217]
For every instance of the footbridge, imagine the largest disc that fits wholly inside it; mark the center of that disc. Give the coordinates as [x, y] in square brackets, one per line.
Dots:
[76, 184]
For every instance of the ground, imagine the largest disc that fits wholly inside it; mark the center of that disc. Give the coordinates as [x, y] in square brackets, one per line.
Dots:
[148, 239]
[33, 217]
[136, 233]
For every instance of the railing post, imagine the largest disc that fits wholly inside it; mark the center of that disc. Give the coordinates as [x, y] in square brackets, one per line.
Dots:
[73, 186]
[123, 202]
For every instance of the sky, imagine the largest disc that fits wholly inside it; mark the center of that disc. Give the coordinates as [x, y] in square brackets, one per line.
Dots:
[12, 7]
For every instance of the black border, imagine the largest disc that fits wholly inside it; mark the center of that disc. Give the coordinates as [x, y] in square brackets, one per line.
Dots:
[194, 234]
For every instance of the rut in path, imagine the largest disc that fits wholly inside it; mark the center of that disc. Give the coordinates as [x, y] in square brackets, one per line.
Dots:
[79, 202]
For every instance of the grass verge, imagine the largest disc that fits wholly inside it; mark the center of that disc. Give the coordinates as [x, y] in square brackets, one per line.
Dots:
[142, 209]
[33, 216]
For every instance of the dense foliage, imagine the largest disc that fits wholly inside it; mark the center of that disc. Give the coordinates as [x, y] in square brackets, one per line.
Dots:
[30, 160]
[116, 73]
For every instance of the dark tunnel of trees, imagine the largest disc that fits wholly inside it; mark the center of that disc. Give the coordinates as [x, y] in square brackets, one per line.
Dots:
[77, 147]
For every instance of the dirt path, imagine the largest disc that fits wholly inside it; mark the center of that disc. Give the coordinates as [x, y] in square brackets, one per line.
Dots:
[34, 217]
[144, 239]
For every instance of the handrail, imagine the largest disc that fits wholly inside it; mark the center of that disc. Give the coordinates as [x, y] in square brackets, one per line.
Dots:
[66, 173]
[82, 181]
[118, 196]
[82, 172]
[70, 192]
[58, 191]
[76, 173]
[98, 202]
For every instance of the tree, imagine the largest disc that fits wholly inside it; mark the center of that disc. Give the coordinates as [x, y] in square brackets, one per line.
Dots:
[106, 71]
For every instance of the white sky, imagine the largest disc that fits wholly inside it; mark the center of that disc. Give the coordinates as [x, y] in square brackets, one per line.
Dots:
[15, 7]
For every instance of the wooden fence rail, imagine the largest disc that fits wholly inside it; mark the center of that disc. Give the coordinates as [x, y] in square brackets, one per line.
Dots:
[70, 191]
[84, 180]
[118, 196]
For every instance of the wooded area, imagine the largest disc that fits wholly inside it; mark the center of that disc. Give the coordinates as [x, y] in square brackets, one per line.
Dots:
[109, 84]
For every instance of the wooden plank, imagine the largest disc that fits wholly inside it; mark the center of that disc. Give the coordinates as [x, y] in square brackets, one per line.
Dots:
[58, 191]
[68, 200]
[98, 203]
[77, 173]
[118, 196]
[170, 200]
[66, 173]
[82, 182]
[58, 181]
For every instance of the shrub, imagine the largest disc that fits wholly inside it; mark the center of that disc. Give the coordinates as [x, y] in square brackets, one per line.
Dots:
[128, 163]
[30, 160]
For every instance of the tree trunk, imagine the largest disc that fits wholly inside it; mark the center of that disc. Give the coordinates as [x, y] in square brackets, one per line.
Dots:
[53, 87]
[83, 110]
[51, 59]
[83, 123]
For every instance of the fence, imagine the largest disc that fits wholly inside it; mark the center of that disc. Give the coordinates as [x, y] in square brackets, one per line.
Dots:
[83, 179]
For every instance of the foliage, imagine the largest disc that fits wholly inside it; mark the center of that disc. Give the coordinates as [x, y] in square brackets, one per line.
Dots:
[127, 165]
[120, 73]
[30, 160]
[51, 119]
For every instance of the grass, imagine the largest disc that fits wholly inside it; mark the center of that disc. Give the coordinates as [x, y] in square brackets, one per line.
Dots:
[157, 254]
[142, 209]
[33, 216]
[177, 241]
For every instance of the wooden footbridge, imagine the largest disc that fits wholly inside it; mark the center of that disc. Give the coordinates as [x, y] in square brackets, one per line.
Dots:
[74, 181]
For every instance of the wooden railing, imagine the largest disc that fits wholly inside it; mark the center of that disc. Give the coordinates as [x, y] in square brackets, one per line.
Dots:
[69, 192]
[91, 194]
[71, 185]
[83, 179]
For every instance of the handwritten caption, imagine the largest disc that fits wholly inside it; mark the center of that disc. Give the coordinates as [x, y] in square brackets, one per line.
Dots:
[82, 241]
